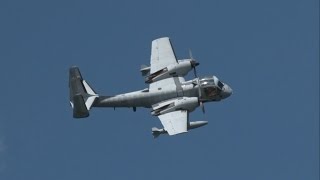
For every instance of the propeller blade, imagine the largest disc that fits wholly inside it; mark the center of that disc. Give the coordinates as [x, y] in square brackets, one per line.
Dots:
[202, 107]
[199, 89]
[195, 72]
[200, 96]
[190, 54]
[194, 63]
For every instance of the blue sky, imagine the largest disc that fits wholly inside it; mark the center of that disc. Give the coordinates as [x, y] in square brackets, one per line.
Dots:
[267, 51]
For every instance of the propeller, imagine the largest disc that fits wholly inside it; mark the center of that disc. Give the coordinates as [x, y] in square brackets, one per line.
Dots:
[194, 63]
[200, 95]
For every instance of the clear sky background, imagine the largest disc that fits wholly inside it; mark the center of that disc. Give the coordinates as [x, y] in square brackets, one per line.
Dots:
[267, 51]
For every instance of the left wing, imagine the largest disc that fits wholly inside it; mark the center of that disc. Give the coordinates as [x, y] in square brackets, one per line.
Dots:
[172, 83]
[162, 55]
[175, 122]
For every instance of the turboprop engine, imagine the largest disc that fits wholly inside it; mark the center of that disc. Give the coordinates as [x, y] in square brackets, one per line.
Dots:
[180, 69]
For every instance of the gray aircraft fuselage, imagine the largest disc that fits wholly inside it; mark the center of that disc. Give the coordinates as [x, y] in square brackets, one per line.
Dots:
[146, 98]
[164, 97]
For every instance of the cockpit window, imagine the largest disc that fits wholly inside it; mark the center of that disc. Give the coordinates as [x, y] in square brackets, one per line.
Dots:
[206, 81]
[220, 84]
[211, 91]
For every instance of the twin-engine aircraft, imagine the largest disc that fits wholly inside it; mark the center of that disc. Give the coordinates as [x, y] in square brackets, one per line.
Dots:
[169, 96]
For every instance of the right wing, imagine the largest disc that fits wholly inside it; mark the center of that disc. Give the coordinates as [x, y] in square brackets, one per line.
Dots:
[175, 122]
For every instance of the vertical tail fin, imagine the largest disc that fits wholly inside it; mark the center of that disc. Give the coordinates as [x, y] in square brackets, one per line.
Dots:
[82, 96]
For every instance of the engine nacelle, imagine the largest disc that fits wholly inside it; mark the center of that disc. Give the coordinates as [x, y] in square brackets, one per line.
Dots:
[183, 103]
[180, 69]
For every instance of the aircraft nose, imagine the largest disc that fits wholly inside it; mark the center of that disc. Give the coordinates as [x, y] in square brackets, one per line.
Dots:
[227, 90]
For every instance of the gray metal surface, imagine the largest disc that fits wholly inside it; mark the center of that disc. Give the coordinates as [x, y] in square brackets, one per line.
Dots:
[169, 95]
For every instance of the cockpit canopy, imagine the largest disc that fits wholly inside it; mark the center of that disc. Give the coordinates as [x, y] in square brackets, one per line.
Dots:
[211, 81]
[211, 86]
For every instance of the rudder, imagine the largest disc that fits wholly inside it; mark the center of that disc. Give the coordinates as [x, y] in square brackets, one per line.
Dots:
[82, 96]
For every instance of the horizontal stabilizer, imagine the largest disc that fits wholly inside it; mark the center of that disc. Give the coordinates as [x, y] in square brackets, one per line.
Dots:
[88, 89]
[145, 70]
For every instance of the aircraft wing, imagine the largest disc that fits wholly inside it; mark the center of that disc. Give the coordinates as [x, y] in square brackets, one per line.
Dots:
[172, 83]
[175, 122]
[162, 55]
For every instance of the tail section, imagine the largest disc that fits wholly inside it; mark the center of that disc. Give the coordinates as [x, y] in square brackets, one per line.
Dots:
[82, 96]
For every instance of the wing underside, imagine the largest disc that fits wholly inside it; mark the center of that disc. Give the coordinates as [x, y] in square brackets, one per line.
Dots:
[162, 54]
[175, 122]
